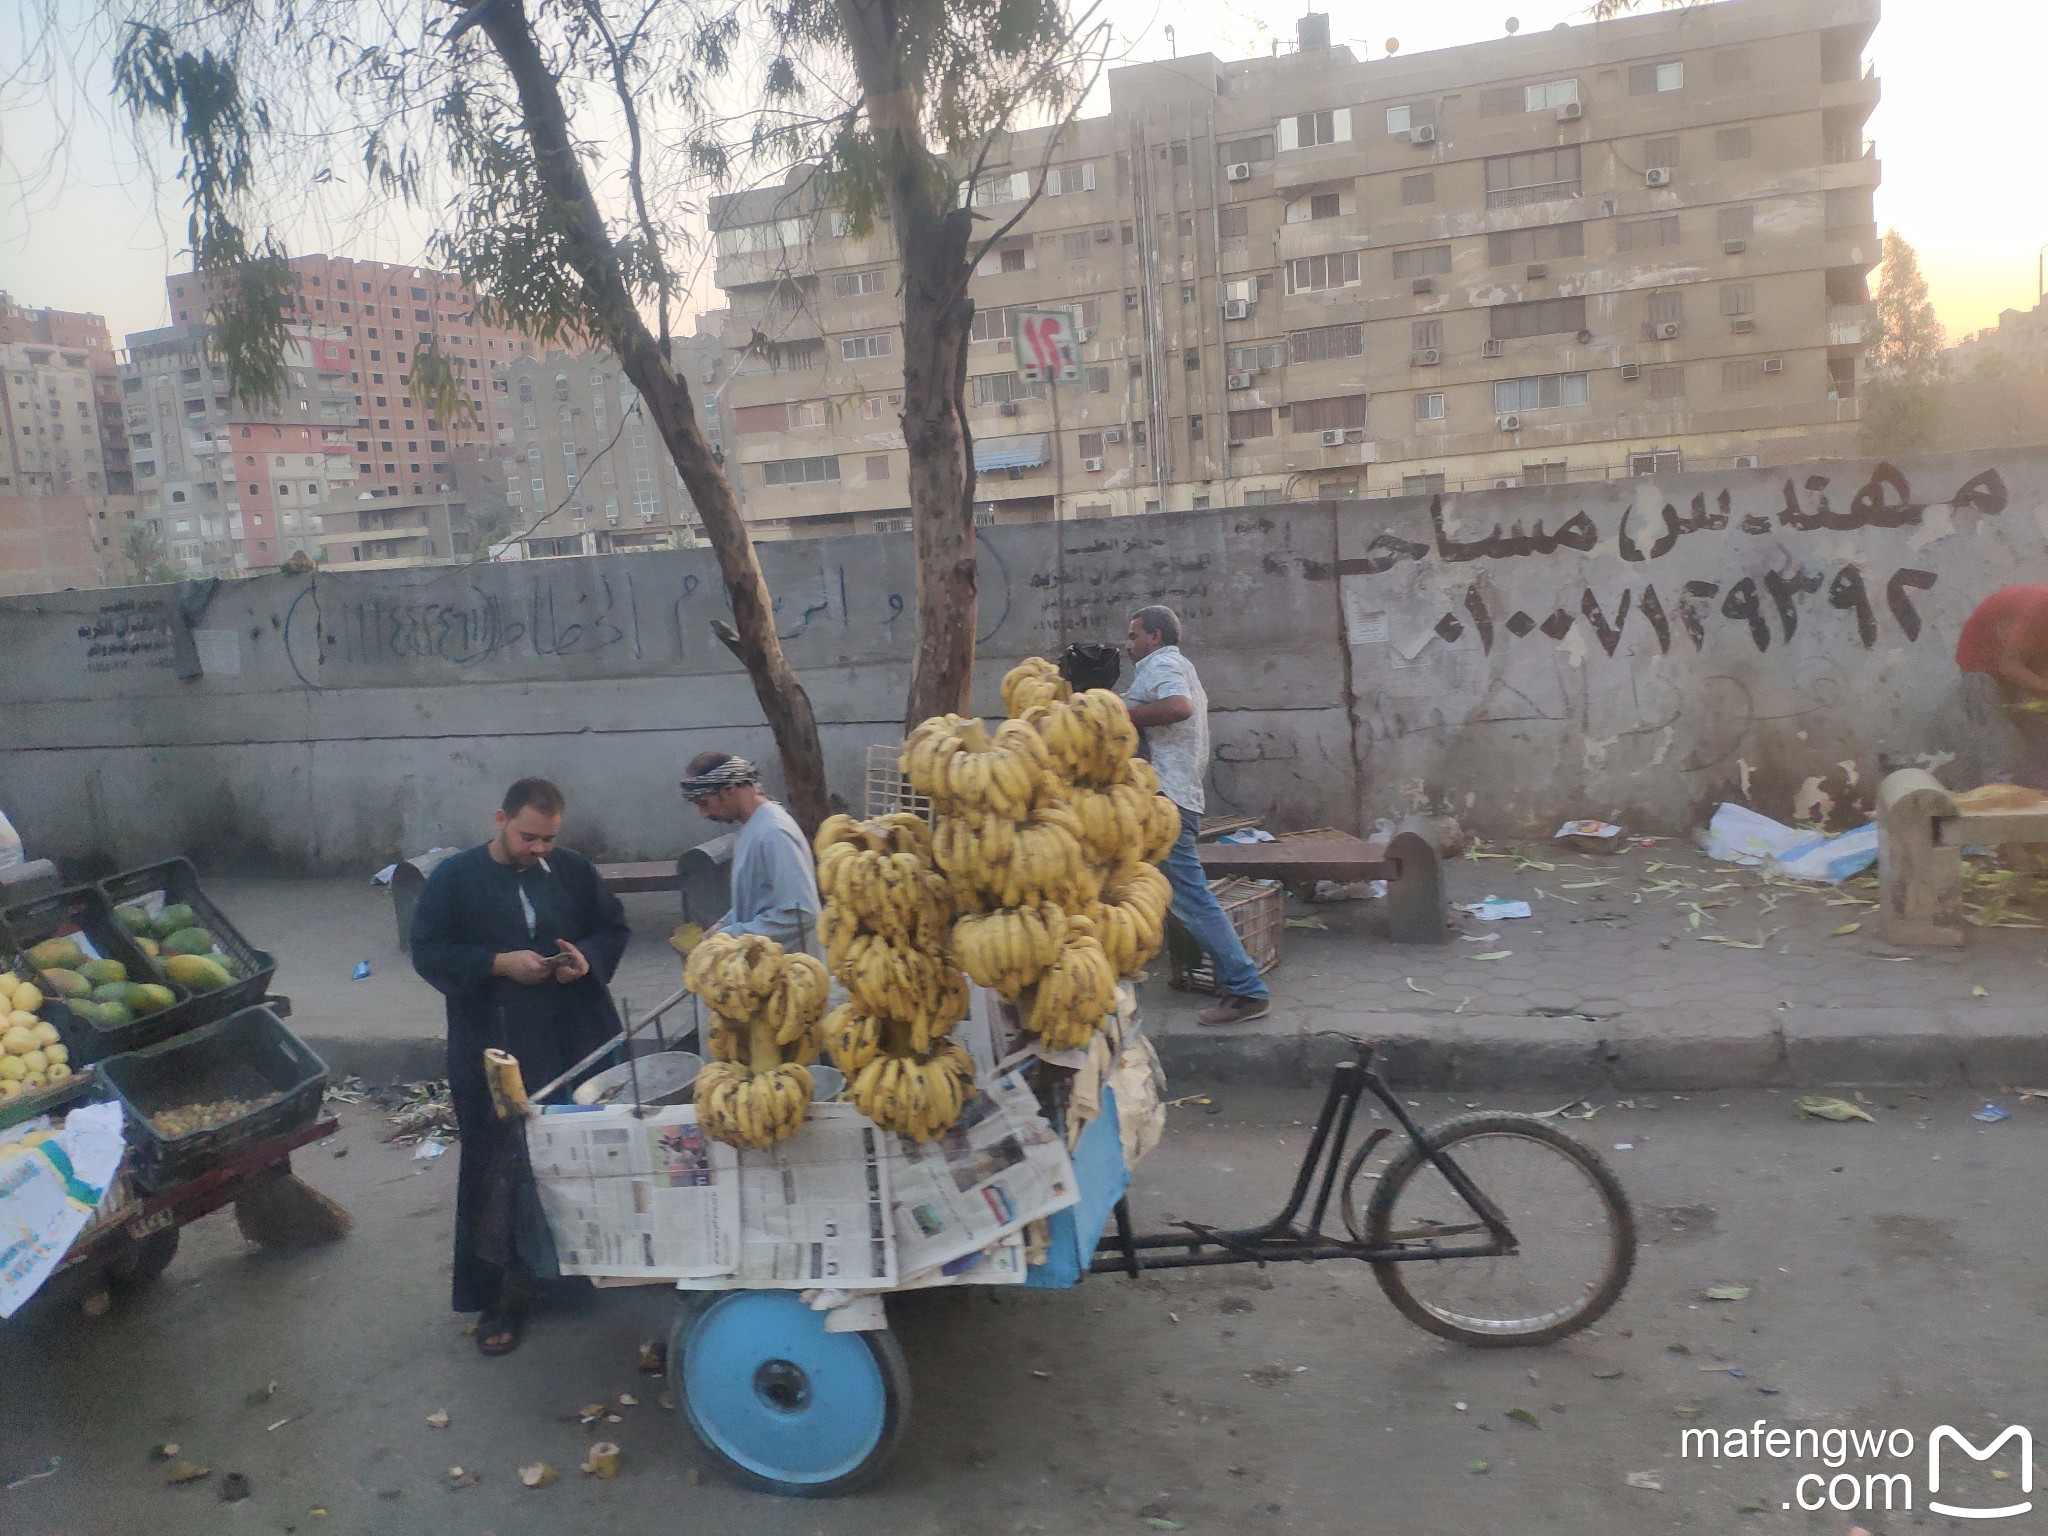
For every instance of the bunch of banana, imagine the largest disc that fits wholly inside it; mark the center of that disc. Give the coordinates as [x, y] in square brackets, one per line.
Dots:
[1068, 1004]
[963, 770]
[852, 1038]
[919, 1096]
[1123, 821]
[1090, 737]
[1006, 951]
[1130, 920]
[898, 983]
[763, 1033]
[878, 876]
[1032, 682]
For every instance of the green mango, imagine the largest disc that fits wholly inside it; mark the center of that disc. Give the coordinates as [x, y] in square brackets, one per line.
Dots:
[104, 1015]
[99, 972]
[113, 992]
[66, 983]
[56, 954]
[189, 941]
[137, 921]
[150, 998]
[171, 919]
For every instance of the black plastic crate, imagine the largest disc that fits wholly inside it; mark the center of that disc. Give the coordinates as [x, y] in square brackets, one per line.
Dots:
[83, 913]
[249, 1055]
[174, 882]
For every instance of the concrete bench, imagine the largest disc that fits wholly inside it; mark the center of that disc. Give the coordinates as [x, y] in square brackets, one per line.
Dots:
[1408, 861]
[1921, 835]
[653, 875]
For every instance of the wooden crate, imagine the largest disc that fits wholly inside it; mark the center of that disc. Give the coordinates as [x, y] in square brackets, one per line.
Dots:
[1257, 909]
[886, 790]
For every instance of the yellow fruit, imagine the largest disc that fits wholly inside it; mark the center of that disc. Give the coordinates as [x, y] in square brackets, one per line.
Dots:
[45, 1033]
[18, 1041]
[20, 1020]
[10, 1089]
[11, 1069]
[8, 982]
[58, 1055]
[36, 1062]
[28, 997]
[58, 1072]
[35, 1082]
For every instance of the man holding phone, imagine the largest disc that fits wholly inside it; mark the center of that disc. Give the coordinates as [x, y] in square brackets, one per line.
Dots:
[521, 937]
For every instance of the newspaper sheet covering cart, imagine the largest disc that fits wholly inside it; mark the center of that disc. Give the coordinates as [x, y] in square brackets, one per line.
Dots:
[632, 1197]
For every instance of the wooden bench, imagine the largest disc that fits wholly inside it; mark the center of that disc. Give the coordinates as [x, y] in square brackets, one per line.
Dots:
[654, 875]
[1921, 835]
[1408, 861]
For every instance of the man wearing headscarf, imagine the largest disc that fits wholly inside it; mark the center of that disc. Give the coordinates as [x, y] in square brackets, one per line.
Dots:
[774, 877]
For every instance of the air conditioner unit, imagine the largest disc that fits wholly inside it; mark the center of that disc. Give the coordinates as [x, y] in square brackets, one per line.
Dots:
[1666, 330]
[1734, 247]
[1424, 285]
[1009, 407]
[1113, 435]
[1774, 365]
[1422, 133]
[1504, 483]
[1742, 327]
[1104, 234]
[1657, 176]
[1570, 112]
[1236, 309]
[1630, 372]
[1237, 172]
[1745, 461]
[1237, 381]
[1537, 270]
[1334, 438]
[1492, 347]
[1428, 357]
[1508, 423]
[1092, 466]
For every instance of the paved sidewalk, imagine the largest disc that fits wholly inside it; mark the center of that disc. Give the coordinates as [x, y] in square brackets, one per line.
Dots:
[1650, 968]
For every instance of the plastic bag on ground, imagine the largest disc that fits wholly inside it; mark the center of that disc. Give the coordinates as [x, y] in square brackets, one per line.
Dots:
[1738, 835]
[1833, 859]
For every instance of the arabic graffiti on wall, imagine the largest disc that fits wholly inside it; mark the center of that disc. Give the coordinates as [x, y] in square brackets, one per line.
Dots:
[127, 633]
[1768, 606]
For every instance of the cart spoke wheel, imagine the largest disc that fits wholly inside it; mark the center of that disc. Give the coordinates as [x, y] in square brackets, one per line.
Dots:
[1575, 1239]
[783, 1405]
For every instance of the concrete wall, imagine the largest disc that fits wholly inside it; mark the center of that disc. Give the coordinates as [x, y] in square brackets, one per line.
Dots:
[1635, 650]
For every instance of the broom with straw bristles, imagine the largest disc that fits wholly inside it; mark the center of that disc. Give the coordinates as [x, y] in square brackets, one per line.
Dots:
[284, 1211]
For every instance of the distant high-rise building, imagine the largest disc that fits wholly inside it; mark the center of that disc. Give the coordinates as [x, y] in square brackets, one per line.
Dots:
[1600, 250]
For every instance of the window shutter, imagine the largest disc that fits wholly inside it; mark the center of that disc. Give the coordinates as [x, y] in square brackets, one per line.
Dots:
[1341, 122]
[1289, 132]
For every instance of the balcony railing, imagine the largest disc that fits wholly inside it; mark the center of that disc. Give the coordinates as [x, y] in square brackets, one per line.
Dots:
[1849, 151]
[1540, 192]
[1847, 324]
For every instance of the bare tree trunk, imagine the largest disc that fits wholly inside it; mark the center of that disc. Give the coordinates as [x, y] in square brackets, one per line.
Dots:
[932, 237]
[751, 636]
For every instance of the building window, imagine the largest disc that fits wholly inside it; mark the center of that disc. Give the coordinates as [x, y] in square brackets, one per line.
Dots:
[1640, 234]
[1195, 429]
[1731, 143]
[1245, 425]
[1422, 485]
[806, 413]
[1660, 154]
[1423, 261]
[1233, 222]
[1546, 95]
[1065, 180]
[1551, 473]
[1739, 374]
[1090, 445]
[1418, 189]
[1325, 205]
[561, 386]
[1326, 342]
[810, 471]
[989, 325]
[1654, 79]
[1075, 243]
[1539, 317]
[995, 388]
[1735, 223]
[1667, 383]
[1666, 462]
[1012, 260]
[1309, 274]
[877, 467]
[1541, 393]
[1311, 129]
[1426, 335]
[1429, 407]
[1257, 358]
[851, 285]
[855, 348]
[1094, 381]
[1536, 176]
[1738, 299]
[1545, 242]
[1664, 307]
[1337, 413]
[1246, 151]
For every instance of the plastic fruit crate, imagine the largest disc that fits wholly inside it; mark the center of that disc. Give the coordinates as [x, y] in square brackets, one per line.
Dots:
[249, 1056]
[174, 882]
[83, 915]
[1257, 909]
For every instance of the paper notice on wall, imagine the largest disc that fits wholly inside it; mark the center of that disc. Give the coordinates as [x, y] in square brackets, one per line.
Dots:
[1365, 623]
[637, 1198]
[220, 651]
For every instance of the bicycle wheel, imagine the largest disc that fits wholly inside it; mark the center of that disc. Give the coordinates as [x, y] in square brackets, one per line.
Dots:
[1575, 1235]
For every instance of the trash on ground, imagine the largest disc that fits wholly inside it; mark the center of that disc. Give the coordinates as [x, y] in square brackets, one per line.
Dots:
[1476, 1465]
[539, 1475]
[187, 1472]
[1495, 909]
[602, 1461]
[263, 1394]
[1591, 836]
[628, 1400]
[1248, 835]
[1991, 1114]
[1845, 930]
[1494, 954]
[1833, 859]
[1646, 1480]
[234, 1487]
[1727, 1293]
[1305, 922]
[438, 1419]
[427, 1148]
[1425, 991]
[459, 1477]
[1607, 1375]
[1821, 1107]
[361, 972]
[168, 1451]
[1524, 1416]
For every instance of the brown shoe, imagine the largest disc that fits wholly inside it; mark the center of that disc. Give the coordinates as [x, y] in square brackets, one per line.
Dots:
[1234, 1010]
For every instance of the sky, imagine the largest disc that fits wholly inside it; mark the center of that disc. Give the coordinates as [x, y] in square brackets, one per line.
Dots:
[84, 226]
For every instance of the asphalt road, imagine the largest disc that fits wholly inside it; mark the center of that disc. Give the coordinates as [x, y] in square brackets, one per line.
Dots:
[1893, 1275]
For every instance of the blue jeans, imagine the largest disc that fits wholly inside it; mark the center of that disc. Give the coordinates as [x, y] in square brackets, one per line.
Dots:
[1198, 911]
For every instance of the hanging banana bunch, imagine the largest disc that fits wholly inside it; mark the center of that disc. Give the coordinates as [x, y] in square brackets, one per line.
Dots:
[1067, 1005]
[966, 772]
[1090, 737]
[1032, 682]
[763, 1034]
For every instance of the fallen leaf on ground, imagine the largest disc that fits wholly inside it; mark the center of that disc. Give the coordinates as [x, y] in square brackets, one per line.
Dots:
[1305, 922]
[1494, 954]
[1476, 1465]
[438, 1419]
[1727, 1293]
[186, 1472]
[1524, 1416]
[539, 1475]
[1414, 988]
[1845, 930]
[628, 1400]
[1978, 991]
[1607, 1375]
[1161, 1523]
[1645, 1480]
[1821, 1107]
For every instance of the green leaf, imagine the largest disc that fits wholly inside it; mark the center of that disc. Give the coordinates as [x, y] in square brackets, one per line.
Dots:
[1524, 1416]
[1821, 1107]
[1728, 1292]
[1476, 1465]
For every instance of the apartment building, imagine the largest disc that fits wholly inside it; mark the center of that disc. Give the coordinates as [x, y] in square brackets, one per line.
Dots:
[1601, 250]
[60, 524]
[85, 335]
[587, 472]
[380, 533]
[224, 485]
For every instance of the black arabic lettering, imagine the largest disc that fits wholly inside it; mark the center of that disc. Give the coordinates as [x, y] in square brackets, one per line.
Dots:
[1389, 550]
[1983, 492]
[1609, 635]
[1785, 592]
[1576, 532]
[1848, 593]
[1902, 606]
[1742, 602]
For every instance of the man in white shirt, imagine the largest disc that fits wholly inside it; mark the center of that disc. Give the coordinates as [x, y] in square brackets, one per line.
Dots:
[774, 877]
[1167, 703]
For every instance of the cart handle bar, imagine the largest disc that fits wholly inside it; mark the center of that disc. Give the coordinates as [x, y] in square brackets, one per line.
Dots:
[612, 1044]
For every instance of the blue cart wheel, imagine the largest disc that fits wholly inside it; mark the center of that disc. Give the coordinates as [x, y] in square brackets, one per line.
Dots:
[783, 1405]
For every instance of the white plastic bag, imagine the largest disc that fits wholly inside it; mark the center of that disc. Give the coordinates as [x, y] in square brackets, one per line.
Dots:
[1738, 835]
[1833, 859]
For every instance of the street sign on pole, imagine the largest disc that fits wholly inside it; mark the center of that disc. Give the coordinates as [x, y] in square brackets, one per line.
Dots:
[1048, 352]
